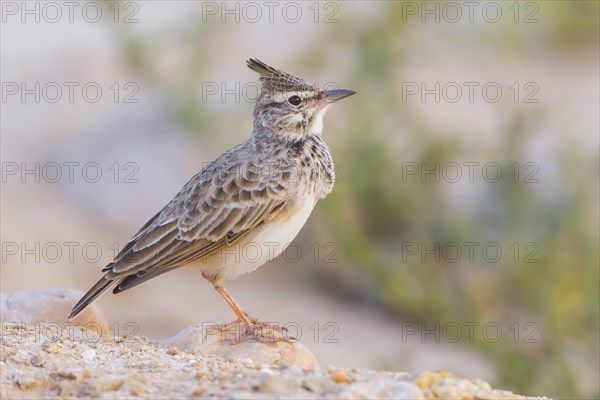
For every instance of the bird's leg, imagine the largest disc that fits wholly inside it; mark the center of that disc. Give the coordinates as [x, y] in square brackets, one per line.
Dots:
[220, 288]
[242, 316]
[252, 326]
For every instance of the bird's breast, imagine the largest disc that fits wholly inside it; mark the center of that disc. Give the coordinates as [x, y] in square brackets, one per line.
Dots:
[318, 168]
[267, 241]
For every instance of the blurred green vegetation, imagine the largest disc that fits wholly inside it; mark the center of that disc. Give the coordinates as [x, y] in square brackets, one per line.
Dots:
[372, 212]
[559, 293]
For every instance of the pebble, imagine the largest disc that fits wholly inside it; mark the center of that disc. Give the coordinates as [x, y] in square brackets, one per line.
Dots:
[21, 357]
[172, 351]
[200, 391]
[274, 384]
[38, 360]
[206, 341]
[266, 370]
[340, 376]
[26, 382]
[48, 304]
[88, 355]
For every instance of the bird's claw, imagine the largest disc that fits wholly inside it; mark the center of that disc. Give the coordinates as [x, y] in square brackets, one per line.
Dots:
[257, 331]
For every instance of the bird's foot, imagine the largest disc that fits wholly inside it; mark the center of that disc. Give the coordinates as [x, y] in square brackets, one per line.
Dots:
[268, 333]
[256, 331]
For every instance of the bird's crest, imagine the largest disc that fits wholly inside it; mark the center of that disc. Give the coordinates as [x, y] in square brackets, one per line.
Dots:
[274, 80]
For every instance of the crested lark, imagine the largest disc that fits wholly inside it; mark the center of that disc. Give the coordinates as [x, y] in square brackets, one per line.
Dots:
[260, 193]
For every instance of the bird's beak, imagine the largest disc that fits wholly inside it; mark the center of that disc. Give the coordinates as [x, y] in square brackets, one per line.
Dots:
[332, 96]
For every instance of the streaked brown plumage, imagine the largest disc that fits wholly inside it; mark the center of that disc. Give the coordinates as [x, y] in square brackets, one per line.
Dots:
[261, 191]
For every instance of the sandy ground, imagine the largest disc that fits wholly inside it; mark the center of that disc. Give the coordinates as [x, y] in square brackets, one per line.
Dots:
[77, 365]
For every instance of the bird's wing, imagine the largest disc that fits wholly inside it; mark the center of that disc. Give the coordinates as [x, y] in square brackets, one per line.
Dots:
[216, 208]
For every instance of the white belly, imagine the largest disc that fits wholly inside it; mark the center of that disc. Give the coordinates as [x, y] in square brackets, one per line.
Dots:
[268, 242]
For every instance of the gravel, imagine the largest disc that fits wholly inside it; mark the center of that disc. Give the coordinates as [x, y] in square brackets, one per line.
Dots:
[69, 364]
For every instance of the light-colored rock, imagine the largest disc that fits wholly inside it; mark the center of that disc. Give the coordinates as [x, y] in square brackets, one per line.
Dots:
[89, 355]
[207, 339]
[49, 306]
[382, 389]
[445, 385]
[135, 367]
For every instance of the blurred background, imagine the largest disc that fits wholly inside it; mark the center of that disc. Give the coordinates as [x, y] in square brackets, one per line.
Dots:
[462, 233]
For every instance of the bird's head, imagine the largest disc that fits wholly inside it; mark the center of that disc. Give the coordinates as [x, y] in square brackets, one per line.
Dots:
[288, 106]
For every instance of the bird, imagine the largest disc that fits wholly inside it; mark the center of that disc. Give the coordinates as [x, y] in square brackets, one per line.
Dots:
[257, 195]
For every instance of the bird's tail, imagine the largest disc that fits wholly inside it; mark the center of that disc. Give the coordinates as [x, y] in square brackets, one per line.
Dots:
[92, 294]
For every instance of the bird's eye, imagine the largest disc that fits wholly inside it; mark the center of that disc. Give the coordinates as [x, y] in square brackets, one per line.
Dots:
[295, 100]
